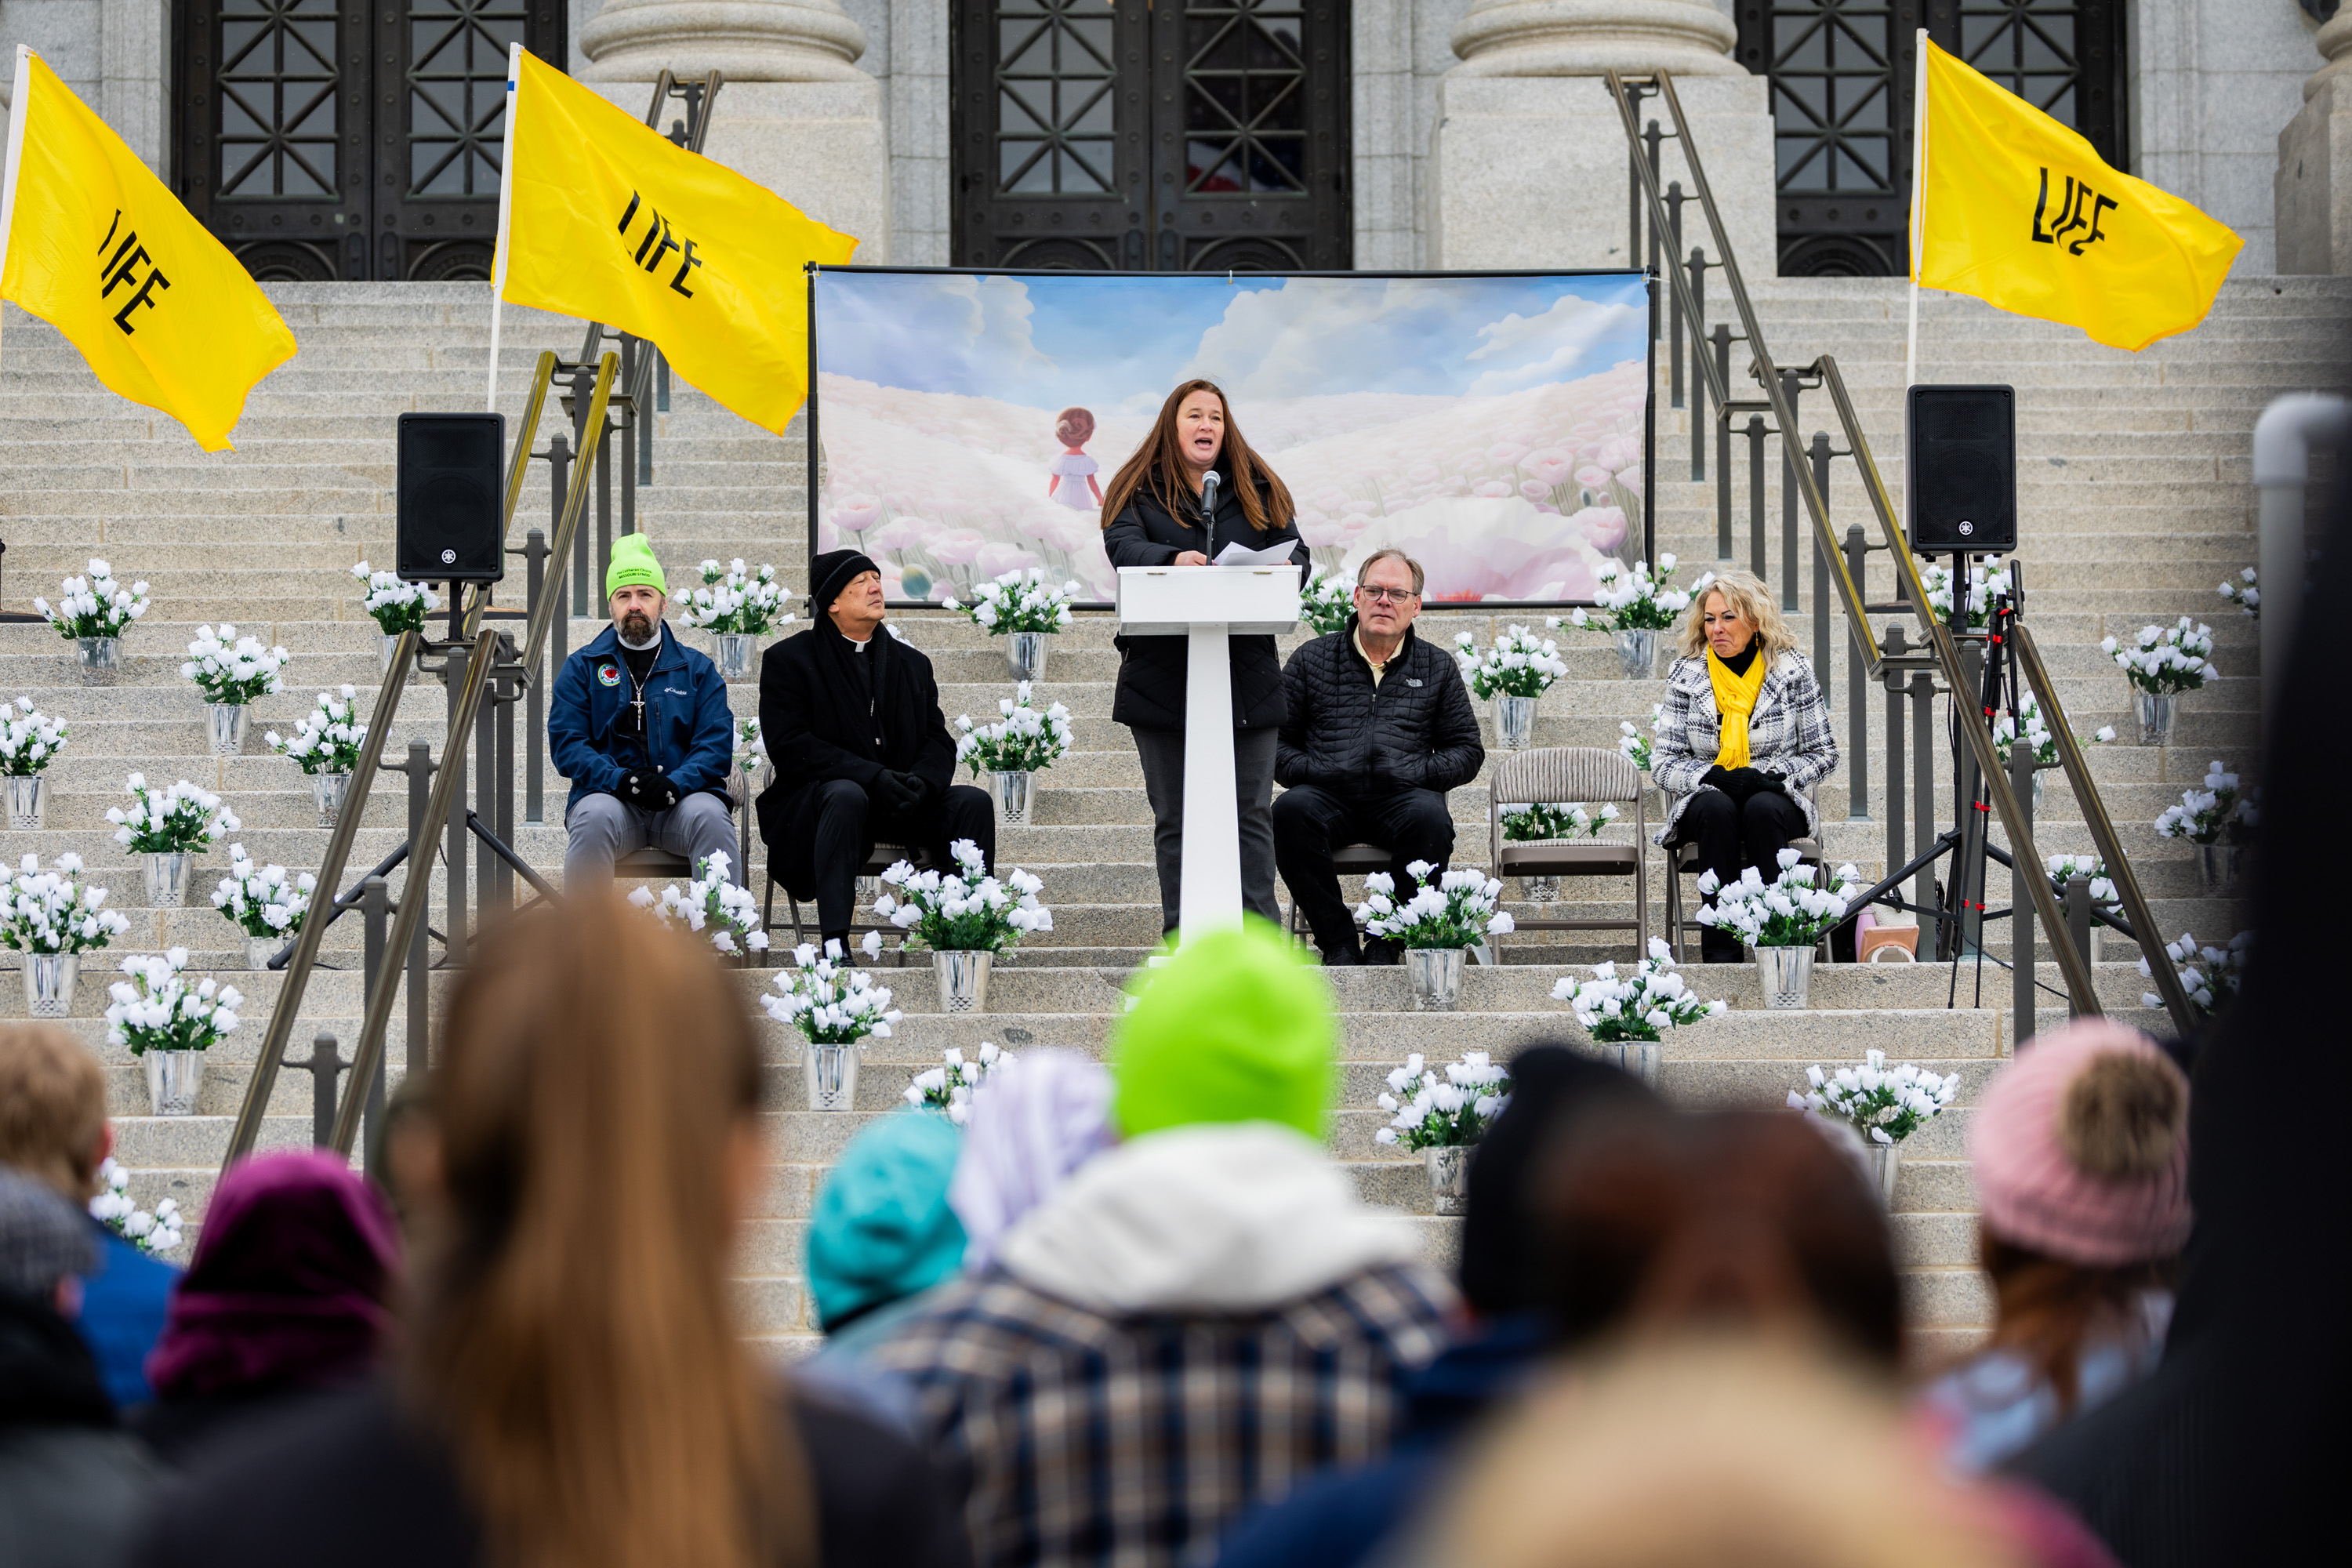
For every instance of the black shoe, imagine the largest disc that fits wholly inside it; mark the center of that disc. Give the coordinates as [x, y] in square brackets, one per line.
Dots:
[1713, 947]
[1382, 952]
[1347, 956]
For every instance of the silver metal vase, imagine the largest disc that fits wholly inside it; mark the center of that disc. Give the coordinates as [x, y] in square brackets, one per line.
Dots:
[963, 981]
[102, 660]
[226, 723]
[329, 790]
[29, 802]
[167, 880]
[49, 982]
[733, 654]
[1024, 654]
[1435, 976]
[1637, 654]
[1449, 1177]
[1014, 792]
[832, 1074]
[1515, 721]
[174, 1080]
[2154, 711]
[1787, 973]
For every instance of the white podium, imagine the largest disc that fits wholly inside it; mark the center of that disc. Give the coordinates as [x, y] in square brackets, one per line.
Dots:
[1206, 604]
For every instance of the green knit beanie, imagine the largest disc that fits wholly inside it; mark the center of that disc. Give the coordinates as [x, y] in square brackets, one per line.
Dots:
[881, 1228]
[1235, 1028]
[632, 561]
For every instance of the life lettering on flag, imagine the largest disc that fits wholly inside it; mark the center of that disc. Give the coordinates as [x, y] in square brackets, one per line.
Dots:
[99, 249]
[606, 219]
[2021, 212]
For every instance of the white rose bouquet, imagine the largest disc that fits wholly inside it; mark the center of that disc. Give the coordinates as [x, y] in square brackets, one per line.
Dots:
[149, 1233]
[263, 902]
[2166, 660]
[1615, 1007]
[2244, 594]
[966, 911]
[709, 903]
[234, 674]
[1519, 665]
[1794, 909]
[1632, 598]
[1884, 1104]
[157, 1010]
[2209, 975]
[827, 1001]
[1555, 819]
[946, 1089]
[1461, 909]
[2028, 718]
[1023, 740]
[95, 606]
[1017, 602]
[1327, 602]
[54, 911]
[1431, 1112]
[1988, 579]
[735, 602]
[395, 605]
[29, 742]
[2065, 869]
[751, 746]
[328, 739]
[2204, 814]
[1634, 746]
[182, 820]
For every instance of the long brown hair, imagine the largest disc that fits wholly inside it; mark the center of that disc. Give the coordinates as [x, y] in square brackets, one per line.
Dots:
[573, 1335]
[1159, 463]
[2047, 1310]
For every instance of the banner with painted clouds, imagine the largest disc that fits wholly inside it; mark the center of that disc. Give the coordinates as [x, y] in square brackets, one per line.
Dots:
[965, 424]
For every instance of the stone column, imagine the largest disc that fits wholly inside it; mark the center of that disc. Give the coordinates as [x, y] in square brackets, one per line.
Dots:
[1528, 160]
[795, 114]
[2313, 187]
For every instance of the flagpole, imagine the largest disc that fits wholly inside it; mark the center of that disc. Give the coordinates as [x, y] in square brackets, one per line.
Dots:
[506, 207]
[17, 108]
[1918, 199]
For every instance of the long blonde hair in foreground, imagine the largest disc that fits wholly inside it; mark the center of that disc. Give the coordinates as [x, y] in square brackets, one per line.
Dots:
[574, 1338]
[1754, 602]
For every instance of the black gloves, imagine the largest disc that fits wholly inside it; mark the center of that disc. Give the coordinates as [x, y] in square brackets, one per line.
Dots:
[649, 791]
[1742, 784]
[899, 792]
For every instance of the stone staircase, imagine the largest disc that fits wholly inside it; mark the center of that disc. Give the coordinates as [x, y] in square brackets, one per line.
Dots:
[2117, 452]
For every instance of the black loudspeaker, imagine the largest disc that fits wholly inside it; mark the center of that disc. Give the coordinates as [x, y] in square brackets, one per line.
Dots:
[451, 477]
[1962, 469]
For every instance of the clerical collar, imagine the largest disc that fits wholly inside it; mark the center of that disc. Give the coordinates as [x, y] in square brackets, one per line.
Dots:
[856, 643]
[652, 642]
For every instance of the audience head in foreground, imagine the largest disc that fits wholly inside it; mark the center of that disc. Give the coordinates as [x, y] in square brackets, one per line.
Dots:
[1213, 1280]
[575, 1389]
[882, 1232]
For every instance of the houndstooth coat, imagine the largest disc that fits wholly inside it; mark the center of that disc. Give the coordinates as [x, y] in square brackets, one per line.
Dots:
[1788, 733]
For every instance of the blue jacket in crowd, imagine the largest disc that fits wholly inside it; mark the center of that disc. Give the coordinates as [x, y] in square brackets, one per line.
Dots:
[124, 1301]
[688, 726]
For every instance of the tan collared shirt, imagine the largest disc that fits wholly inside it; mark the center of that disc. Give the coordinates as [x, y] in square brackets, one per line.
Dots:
[1379, 665]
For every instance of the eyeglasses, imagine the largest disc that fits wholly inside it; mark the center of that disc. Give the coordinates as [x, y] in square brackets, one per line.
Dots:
[1389, 595]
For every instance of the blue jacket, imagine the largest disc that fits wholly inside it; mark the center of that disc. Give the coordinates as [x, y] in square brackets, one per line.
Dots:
[123, 1303]
[689, 729]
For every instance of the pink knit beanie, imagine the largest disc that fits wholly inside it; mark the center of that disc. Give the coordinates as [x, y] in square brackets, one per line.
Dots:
[2080, 1148]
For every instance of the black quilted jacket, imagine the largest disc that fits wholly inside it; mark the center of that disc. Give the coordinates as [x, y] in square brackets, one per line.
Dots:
[1415, 729]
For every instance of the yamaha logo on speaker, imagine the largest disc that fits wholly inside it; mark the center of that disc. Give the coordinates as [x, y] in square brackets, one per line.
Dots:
[1967, 529]
[449, 557]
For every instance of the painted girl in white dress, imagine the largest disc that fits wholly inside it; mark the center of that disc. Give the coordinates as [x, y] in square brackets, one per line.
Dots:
[1074, 484]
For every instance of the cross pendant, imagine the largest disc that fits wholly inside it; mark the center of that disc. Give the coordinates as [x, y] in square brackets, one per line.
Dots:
[640, 706]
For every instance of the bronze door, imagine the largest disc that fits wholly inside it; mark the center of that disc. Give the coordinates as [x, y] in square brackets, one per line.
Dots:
[349, 138]
[1151, 135]
[1841, 74]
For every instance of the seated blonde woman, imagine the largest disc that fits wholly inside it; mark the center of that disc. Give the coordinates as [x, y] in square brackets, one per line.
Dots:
[1744, 730]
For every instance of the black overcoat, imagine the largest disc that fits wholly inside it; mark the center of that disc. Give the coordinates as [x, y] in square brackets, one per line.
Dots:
[1416, 730]
[813, 718]
[1151, 694]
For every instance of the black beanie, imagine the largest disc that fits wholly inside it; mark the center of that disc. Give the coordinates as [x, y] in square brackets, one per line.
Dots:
[1502, 1242]
[831, 572]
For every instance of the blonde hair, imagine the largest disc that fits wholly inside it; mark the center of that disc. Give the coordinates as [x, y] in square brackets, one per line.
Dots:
[1749, 595]
[52, 1108]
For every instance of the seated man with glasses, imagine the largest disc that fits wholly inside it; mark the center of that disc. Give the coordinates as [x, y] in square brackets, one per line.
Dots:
[1380, 728]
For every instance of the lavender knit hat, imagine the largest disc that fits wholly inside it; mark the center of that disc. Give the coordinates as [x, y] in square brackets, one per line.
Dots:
[2080, 1148]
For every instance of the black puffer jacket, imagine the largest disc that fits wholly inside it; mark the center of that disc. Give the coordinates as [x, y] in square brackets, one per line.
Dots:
[1151, 694]
[1416, 730]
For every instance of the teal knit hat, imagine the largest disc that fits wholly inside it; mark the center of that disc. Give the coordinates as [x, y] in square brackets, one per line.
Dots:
[1234, 1028]
[632, 561]
[882, 1229]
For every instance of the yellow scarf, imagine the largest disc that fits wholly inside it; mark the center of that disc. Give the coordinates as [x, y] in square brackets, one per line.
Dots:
[1734, 699]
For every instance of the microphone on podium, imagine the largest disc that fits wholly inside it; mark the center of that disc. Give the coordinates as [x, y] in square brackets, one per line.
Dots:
[1209, 502]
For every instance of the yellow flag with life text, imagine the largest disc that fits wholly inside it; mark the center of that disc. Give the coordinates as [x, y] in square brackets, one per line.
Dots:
[606, 219]
[2018, 210]
[100, 250]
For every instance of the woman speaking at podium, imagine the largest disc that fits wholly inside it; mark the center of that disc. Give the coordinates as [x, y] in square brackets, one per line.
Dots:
[1192, 487]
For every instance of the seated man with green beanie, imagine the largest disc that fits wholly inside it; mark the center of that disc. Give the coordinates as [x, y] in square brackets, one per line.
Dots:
[639, 723]
[1200, 1317]
[862, 754]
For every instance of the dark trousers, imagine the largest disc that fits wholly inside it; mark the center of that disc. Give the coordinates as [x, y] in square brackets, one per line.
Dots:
[1730, 838]
[1309, 822]
[844, 823]
[1162, 753]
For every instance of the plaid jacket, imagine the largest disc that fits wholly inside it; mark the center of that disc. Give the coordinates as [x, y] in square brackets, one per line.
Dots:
[1788, 733]
[1132, 1443]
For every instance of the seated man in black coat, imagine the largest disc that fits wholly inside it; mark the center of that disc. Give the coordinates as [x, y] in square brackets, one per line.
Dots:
[1380, 727]
[859, 746]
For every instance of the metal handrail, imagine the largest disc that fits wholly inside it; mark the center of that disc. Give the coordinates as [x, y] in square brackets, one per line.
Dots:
[1973, 725]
